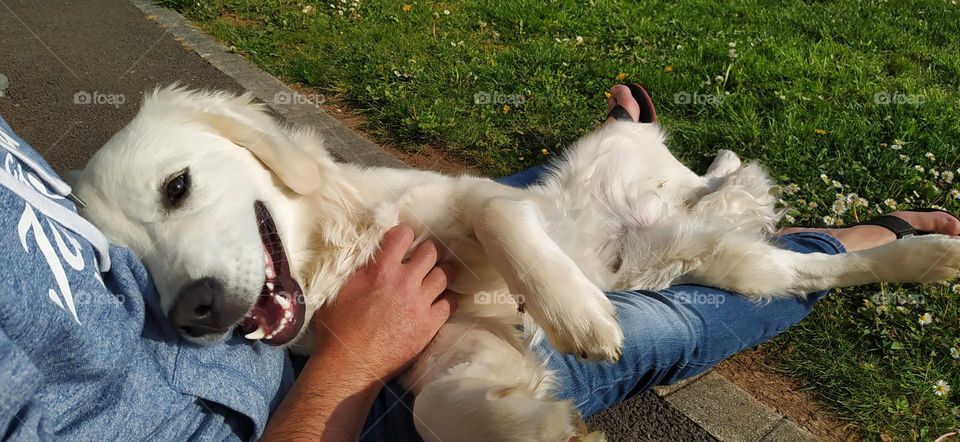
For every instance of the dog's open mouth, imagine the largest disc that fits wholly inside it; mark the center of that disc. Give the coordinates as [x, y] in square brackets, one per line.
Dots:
[278, 314]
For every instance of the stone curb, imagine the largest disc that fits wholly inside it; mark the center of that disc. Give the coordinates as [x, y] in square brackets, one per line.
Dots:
[729, 413]
[716, 404]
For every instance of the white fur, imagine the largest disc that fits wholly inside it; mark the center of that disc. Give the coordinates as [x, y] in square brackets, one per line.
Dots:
[618, 211]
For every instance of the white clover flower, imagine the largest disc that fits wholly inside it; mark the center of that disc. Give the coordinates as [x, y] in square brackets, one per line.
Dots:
[732, 54]
[918, 168]
[955, 193]
[955, 352]
[307, 9]
[934, 173]
[828, 220]
[926, 319]
[861, 202]
[791, 189]
[839, 207]
[947, 176]
[789, 219]
[825, 178]
[896, 146]
[837, 184]
[955, 289]
[930, 156]
[718, 78]
[732, 44]
[838, 222]
[941, 388]
[813, 204]
[579, 40]
[446, 12]
[904, 158]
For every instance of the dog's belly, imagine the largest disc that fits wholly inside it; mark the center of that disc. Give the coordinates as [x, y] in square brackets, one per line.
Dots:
[473, 271]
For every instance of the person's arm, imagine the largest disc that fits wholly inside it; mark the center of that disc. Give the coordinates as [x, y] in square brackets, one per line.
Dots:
[381, 320]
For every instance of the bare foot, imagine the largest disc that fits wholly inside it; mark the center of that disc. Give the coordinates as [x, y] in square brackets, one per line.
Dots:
[620, 94]
[866, 237]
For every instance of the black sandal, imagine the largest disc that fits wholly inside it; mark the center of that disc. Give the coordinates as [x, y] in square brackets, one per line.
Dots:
[898, 226]
[648, 114]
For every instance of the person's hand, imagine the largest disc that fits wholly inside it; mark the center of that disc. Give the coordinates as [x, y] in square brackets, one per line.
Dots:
[388, 310]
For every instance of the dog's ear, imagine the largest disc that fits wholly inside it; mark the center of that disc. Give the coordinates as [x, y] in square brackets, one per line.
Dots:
[238, 119]
[295, 167]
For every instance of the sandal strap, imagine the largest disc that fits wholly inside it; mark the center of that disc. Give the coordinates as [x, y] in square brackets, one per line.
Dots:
[899, 227]
[620, 114]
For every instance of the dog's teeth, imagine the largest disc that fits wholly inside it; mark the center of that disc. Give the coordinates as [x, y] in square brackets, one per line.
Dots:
[269, 271]
[288, 314]
[270, 286]
[255, 335]
[282, 301]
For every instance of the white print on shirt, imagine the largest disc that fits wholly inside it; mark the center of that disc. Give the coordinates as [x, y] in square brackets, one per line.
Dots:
[73, 258]
[71, 254]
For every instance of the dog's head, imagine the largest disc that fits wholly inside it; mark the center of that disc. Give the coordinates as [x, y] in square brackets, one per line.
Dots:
[202, 186]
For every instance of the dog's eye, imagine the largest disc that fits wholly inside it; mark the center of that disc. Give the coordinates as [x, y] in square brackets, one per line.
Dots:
[176, 189]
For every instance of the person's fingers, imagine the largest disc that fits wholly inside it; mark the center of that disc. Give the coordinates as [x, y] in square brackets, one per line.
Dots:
[423, 258]
[395, 243]
[444, 307]
[436, 281]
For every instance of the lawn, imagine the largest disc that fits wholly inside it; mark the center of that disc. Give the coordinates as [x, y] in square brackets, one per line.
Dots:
[854, 106]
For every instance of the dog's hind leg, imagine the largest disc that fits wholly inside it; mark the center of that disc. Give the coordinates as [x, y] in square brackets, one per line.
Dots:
[480, 409]
[724, 164]
[756, 268]
[475, 382]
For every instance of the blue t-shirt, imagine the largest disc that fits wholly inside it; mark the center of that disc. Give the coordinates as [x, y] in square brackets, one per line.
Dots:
[86, 354]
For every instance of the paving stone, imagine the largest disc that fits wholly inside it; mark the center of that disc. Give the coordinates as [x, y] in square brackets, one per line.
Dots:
[788, 431]
[724, 410]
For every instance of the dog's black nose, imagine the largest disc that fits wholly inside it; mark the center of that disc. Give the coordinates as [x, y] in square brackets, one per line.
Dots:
[201, 309]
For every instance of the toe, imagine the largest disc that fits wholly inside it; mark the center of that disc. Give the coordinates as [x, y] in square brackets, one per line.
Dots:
[621, 95]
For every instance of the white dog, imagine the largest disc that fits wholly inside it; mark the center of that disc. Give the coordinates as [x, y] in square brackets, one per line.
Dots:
[246, 224]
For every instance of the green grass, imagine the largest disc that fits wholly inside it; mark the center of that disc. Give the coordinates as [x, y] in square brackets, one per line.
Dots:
[800, 96]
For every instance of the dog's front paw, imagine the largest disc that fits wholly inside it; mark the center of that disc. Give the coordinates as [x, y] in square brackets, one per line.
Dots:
[586, 327]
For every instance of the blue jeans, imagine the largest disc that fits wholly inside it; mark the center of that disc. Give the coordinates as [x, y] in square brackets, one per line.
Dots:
[670, 335]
